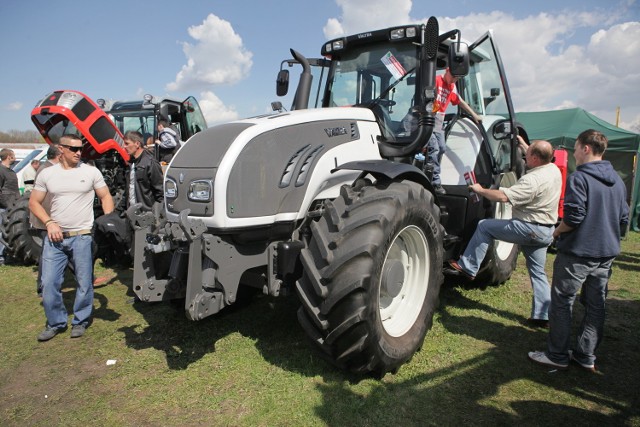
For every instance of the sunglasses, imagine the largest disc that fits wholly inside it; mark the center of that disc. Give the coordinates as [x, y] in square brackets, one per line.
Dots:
[72, 148]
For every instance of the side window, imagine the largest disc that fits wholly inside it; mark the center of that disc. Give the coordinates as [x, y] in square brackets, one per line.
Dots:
[194, 118]
[485, 90]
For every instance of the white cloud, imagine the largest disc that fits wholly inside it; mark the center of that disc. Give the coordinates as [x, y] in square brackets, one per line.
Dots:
[214, 110]
[362, 15]
[217, 57]
[14, 106]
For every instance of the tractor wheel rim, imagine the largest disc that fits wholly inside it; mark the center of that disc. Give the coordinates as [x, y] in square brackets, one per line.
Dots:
[401, 301]
[503, 249]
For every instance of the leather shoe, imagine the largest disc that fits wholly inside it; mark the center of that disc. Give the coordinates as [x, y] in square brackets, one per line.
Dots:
[78, 330]
[49, 333]
[585, 366]
[538, 323]
[457, 270]
[541, 358]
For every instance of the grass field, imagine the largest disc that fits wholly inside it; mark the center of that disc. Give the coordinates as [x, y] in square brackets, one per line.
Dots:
[252, 365]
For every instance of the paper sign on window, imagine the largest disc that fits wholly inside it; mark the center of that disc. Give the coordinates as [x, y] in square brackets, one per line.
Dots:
[393, 65]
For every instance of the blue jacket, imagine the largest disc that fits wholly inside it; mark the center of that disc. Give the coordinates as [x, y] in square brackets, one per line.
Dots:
[595, 205]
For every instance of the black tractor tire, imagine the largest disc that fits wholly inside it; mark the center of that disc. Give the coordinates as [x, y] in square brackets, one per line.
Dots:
[501, 257]
[24, 241]
[372, 272]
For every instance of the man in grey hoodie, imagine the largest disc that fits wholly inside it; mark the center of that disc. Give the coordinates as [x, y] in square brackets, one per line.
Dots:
[596, 214]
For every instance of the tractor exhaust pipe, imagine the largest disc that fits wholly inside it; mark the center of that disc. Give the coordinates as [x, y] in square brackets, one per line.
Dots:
[426, 122]
[301, 98]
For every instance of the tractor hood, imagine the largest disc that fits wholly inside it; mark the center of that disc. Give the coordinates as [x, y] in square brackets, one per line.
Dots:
[252, 171]
[67, 111]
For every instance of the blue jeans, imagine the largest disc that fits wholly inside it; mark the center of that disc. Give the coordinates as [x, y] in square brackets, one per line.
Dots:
[590, 277]
[55, 256]
[533, 241]
[435, 150]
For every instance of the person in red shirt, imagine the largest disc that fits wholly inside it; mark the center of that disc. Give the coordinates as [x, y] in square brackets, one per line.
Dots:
[445, 93]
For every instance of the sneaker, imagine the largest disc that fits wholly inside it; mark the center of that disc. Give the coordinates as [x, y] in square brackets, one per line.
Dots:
[78, 330]
[537, 323]
[457, 270]
[540, 358]
[586, 366]
[439, 190]
[50, 332]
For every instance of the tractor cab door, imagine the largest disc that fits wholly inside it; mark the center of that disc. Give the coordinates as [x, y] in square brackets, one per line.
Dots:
[486, 90]
[194, 120]
[490, 151]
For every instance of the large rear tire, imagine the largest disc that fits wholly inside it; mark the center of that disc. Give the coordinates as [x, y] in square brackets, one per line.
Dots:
[25, 243]
[372, 272]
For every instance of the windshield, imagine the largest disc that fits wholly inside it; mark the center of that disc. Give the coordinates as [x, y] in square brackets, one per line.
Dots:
[143, 121]
[24, 162]
[362, 74]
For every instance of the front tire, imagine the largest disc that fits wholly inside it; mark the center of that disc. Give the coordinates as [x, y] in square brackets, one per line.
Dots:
[372, 275]
[25, 242]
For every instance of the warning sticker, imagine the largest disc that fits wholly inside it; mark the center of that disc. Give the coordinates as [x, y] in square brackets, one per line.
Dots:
[393, 65]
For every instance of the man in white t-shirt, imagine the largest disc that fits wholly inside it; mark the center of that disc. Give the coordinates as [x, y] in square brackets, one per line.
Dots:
[534, 200]
[71, 186]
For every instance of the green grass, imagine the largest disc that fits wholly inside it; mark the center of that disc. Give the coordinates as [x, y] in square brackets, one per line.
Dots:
[252, 365]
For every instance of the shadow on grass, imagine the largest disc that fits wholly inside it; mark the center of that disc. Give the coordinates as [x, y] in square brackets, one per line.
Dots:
[270, 322]
[495, 387]
[627, 261]
[101, 309]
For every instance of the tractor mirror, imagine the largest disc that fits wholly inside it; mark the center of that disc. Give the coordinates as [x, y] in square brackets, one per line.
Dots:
[282, 83]
[459, 59]
[502, 130]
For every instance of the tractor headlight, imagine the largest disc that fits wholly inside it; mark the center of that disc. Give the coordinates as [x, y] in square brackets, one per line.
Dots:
[397, 34]
[170, 189]
[200, 190]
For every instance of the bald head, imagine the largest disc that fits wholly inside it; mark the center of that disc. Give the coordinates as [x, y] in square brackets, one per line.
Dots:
[543, 150]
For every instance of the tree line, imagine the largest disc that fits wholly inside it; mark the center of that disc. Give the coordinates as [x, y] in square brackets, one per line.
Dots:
[21, 137]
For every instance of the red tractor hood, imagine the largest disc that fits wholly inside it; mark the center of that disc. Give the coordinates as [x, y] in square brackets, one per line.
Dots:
[63, 110]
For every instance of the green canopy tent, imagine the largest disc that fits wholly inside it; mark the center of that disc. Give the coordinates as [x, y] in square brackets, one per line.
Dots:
[562, 127]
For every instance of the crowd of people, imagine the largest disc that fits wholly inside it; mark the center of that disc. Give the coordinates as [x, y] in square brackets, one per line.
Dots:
[64, 188]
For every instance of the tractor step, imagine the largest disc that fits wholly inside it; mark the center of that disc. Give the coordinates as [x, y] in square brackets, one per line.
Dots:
[450, 239]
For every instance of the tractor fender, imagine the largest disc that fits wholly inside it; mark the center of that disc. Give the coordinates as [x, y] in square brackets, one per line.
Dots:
[390, 170]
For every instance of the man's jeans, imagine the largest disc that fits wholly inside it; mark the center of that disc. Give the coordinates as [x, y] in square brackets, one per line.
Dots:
[76, 250]
[533, 241]
[435, 150]
[590, 277]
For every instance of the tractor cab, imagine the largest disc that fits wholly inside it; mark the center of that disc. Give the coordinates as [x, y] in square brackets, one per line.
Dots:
[185, 117]
[392, 73]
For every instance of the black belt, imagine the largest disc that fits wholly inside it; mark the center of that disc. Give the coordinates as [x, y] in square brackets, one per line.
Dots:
[542, 225]
[67, 234]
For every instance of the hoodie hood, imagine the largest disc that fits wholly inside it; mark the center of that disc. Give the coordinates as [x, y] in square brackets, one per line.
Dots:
[600, 170]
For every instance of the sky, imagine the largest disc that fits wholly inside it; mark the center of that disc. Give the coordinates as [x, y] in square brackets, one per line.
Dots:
[226, 53]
